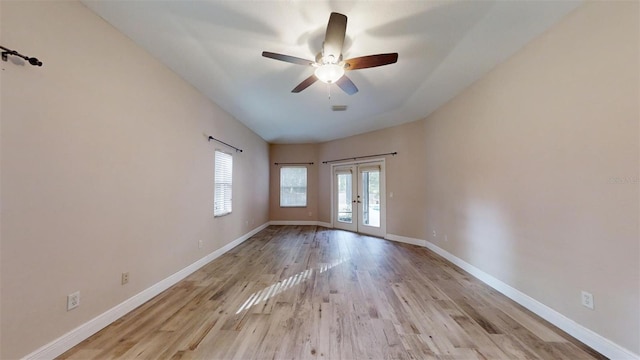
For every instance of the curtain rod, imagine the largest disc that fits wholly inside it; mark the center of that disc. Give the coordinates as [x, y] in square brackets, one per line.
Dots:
[360, 157]
[33, 61]
[298, 163]
[222, 142]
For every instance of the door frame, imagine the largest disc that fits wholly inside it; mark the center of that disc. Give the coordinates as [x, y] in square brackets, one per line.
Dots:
[382, 230]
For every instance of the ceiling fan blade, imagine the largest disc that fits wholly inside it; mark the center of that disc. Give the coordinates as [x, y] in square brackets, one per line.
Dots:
[305, 84]
[334, 37]
[287, 58]
[370, 61]
[347, 85]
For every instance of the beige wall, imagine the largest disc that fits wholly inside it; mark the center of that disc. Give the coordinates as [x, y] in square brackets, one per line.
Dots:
[532, 174]
[405, 176]
[522, 168]
[303, 153]
[105, 169]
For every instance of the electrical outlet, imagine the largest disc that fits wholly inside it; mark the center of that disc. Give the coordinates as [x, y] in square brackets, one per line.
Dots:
[434, 233]
[73, 300]
[125, 278]
[200, 243]
[587, 300]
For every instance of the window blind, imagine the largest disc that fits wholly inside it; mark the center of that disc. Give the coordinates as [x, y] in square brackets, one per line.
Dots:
[369, 168]
[293, 186]
[222, 198]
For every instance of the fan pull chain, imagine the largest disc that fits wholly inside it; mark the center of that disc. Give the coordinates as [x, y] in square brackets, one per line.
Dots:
[329, 90]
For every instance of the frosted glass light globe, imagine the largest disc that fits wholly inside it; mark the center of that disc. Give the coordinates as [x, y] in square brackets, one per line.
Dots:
[329, 73]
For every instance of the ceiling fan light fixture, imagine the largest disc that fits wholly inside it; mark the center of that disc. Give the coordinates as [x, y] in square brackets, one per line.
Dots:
[329, 73]
[329, 64]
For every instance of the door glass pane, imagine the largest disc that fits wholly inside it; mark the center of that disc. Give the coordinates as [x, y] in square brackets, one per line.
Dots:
[371, 198]
[345, 197]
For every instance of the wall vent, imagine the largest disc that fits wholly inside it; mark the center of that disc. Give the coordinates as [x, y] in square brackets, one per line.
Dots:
[339, 107]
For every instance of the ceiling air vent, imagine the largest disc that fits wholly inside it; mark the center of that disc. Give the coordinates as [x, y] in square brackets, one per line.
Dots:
[339, 107]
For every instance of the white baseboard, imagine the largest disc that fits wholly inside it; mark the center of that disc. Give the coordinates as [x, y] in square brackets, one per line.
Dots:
[406, 240]
[300, 223]
[601, 344]
[74, 337]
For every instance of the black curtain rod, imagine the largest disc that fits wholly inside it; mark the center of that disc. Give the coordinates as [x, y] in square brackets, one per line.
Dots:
[361, 157]
[299, 163]
[222, 142]
[33, 61]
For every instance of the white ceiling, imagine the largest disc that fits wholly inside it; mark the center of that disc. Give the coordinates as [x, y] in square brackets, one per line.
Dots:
[443, 47]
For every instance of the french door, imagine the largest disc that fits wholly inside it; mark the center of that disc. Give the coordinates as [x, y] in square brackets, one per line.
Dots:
[358, 198]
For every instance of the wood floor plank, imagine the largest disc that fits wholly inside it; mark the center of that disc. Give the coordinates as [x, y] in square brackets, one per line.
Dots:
[307, 292]
[416, 348]
[512, 347]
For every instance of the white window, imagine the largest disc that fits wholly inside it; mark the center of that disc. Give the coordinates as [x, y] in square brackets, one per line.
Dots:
[293, 186]
[223, 183]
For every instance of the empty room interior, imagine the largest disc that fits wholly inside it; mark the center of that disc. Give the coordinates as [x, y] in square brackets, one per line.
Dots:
[320, 180]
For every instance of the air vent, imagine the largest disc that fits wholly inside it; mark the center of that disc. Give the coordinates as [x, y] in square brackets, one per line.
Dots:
[339, 107]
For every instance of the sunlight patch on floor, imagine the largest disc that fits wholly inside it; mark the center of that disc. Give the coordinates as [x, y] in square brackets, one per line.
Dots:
[284, 285]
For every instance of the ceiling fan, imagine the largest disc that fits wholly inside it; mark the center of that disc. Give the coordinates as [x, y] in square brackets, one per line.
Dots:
[329, 66]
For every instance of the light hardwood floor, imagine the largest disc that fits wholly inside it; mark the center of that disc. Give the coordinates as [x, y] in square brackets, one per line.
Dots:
[306, 292]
